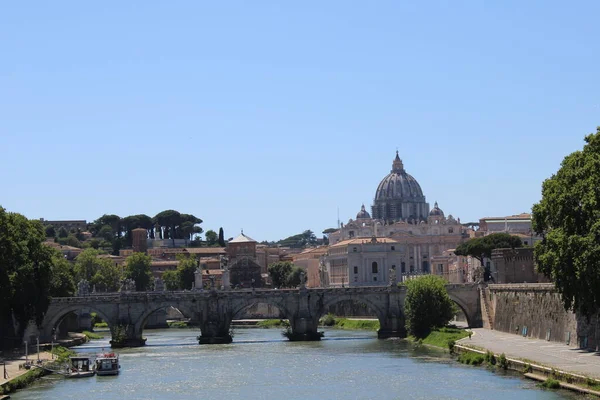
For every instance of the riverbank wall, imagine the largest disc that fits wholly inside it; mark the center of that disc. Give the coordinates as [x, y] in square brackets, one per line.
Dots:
[535, 310]
[530, 369]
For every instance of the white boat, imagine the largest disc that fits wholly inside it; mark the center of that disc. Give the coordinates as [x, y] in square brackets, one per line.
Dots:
[107, 364]
[81, 367]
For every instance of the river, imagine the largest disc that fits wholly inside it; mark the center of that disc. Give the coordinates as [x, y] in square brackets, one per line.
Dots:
[261, 364]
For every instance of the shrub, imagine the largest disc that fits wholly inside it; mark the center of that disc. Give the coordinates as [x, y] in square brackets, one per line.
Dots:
[328, 320]
[527, 368]
[490, 358]
[427, 305]
[550, 384]
[471, 358]
[502, 362]
[451, 344]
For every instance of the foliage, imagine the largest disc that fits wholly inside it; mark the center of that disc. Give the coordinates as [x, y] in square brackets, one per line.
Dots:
[92, 335]
[50, 231]
[279, 273]
[366, 324]
[306, 238]
[171, 280]
[295, 277]
[328, 320]
[568, 218]
[427, 305]
[95, 318]
[62, 232]
[441, 337]
[490, 358]
[502, 361]
[100, 272]
[26, 268]
[62, 283]
[482, 247]
[221, 238]
[212, 239]
[62, 354]
[471, 358]
[273, 323]
[550, 383]
[24, 380]
[186, 271]
[101, 325]
[137, 267]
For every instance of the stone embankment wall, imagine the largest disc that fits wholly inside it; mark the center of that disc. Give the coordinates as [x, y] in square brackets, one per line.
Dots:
[535, 310]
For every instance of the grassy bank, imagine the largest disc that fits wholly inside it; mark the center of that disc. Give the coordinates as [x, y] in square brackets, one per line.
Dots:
[92, 335]
[178, 324]
[356, 324]
[23, 380]
[444, 337]
[273, 323]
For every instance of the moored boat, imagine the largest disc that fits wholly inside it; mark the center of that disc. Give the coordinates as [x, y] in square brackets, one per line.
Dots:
[81, 367]
[107, 364]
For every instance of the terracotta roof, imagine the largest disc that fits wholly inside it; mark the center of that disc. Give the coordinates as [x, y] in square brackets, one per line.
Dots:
[363, 240]
[212, 272]
[159, 263]
[205, 250]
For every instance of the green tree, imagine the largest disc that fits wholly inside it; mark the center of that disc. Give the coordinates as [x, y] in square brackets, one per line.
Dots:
[137, 267]
[62, 283]
[294, 278]
[86, 264]
[221, 238]
[481, 247]
[211, 238]
[171, 280]
[50, 231]
[26, 268]
[186, 271]
[279, 273]
[62, 232]
[427, 305]
[107, 277]
[568, 219]
[168, 220]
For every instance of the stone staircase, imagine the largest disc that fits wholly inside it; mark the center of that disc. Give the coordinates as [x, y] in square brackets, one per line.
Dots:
[485, 314]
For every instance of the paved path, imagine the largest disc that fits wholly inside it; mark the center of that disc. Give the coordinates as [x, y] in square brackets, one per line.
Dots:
[550, 354]
[12, 366]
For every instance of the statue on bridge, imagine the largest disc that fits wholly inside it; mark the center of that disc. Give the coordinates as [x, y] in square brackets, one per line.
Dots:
[393, 279]
[83, 288]
[128, 285]
[159, 285]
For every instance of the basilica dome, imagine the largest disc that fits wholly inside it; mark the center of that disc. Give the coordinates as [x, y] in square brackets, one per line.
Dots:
[436, 211]
[399, 196]
[363, 214]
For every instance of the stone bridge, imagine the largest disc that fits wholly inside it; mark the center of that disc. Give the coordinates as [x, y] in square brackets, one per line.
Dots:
[212, 311]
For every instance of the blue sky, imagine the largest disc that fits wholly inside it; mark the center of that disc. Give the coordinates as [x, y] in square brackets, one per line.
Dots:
[268, 116]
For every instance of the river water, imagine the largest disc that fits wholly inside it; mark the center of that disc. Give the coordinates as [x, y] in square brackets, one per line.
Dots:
[261, 364]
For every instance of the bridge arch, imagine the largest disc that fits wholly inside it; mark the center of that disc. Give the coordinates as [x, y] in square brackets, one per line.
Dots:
[241, 305]
[56, 315]
[464, 308]
[140, 323]
[379, 312]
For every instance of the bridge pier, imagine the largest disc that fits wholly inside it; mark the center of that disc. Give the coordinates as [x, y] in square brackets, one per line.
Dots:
[126, 335]
[303, 329]
[393, 326]
[214, 332]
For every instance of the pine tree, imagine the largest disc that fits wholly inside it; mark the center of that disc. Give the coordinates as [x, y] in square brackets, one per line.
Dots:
[221, 238]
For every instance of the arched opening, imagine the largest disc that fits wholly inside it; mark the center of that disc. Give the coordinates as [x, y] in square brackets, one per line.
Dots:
[168, 324]
[258, 313]
[461, 317]
[68, 326]
[425, 266]
[347, 312]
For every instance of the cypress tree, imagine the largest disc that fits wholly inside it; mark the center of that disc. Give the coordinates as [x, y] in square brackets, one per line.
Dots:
[221, 238]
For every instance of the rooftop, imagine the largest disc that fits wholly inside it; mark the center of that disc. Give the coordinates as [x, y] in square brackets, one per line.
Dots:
[364, 240]
[242, 239]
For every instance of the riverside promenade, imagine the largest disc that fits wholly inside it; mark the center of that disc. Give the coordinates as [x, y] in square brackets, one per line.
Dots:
[550, 354]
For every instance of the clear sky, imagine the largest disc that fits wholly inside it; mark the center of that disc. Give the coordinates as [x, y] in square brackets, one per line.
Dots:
[268, 116]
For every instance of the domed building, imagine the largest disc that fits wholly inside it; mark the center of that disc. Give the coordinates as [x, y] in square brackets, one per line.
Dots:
[399, 197]
[400, 235]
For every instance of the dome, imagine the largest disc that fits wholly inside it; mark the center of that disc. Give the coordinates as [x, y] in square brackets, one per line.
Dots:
[398, 185]
[436, 211]
[363, 214]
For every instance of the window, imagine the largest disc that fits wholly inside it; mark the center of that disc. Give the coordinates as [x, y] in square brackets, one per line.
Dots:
[354, 249]
[394, 247]
[412, 268]
[403, 267]
[393, 267]
[355, 269]
[374, 278]
[425, 265]
[450, 230]
[351, 234]
[374, 268]
[356, 279]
